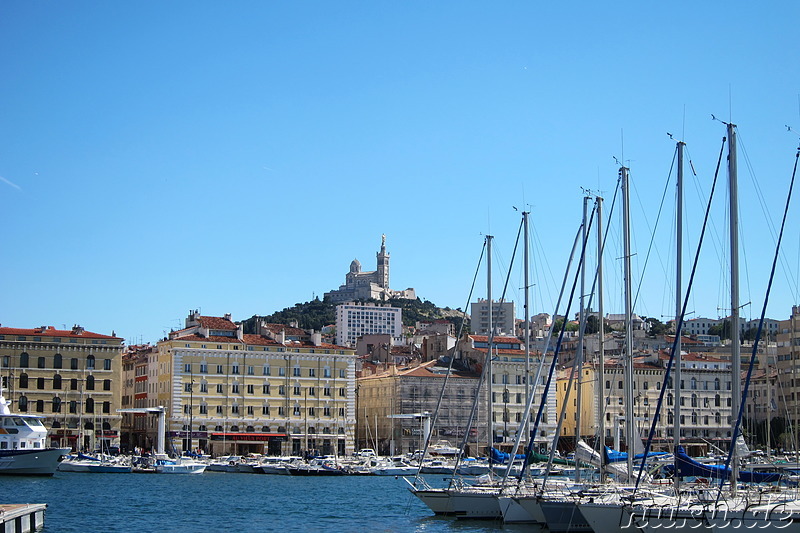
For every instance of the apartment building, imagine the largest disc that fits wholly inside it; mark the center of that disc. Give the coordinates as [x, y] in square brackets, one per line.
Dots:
[230, 392]
[353, 321]
[70, 377]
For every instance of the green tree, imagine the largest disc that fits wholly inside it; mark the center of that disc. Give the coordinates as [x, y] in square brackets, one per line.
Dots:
[657, 328]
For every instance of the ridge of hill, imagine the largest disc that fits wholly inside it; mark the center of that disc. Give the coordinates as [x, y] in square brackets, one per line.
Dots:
[317, 314]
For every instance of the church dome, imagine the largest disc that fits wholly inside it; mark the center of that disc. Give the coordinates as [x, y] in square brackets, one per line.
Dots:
[355, 266]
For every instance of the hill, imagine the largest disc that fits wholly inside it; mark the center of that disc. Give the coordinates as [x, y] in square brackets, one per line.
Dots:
[319, 313]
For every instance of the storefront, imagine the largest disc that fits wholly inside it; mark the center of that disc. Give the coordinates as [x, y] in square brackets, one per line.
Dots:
[244, 443]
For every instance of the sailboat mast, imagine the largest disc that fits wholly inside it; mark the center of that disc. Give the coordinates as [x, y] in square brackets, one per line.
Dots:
[579, 351]
[600, 337]
[528, 386]
[678, 302]
[736, 363]
[628, 369]
[490, 339]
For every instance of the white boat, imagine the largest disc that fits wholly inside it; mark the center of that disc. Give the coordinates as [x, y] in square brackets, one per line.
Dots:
[23, 449]
[396, 466]
[165, 465]
[97, 465]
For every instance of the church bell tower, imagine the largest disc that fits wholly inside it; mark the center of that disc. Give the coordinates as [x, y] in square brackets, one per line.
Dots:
[383, 265]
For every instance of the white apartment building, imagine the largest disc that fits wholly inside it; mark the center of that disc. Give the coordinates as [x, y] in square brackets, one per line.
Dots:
[355, 320]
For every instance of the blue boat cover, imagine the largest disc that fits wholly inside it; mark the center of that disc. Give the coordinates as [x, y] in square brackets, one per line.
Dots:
[497, 456]
[689, 467]
[613, 456]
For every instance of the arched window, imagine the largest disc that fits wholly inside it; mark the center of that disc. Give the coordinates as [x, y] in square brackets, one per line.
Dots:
[89, 406]
[265, 429]
[693, 384]
[716, 400]
[250, 429]
[716, 384]
[23, 404]
[57, 381]
[23, 381]
[106, 426]
[717, 418]
[90, 362]
[56, 404]
[56, 424]
[24, 360]
[89, 382]
[694, 400]
[234, 428]
[57, 361]
[312, 430]
[88, 425]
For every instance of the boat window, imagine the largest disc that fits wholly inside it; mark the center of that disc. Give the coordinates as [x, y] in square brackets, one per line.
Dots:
[19, 422]
[34, 422]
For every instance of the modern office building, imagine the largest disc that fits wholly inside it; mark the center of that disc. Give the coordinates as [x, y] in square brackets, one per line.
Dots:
[353, 321]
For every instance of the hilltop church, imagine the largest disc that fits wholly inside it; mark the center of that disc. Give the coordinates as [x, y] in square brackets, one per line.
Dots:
[374, 284]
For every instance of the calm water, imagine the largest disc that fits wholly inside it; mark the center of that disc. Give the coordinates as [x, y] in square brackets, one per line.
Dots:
[229, 502]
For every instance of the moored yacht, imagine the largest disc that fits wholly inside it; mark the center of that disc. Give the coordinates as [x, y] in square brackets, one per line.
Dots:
[22, 444]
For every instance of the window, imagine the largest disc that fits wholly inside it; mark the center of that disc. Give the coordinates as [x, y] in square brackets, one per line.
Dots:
[90, 405]
[251, 389]
[341, 411]
[251, 371]
[203, 409]
[203, 386]
[235, 368]
[342, 373]
[326, 391]
[23, 404]
[40, 383]
[281, 390]
[296, 371]
[265, 410]
[90, 362]
[73, 407]
[24, 360]
[267, 370]
[220, 370]
[296, 390]
[57, 360]
[219, 388]
[312, 372]
[23, 381]
[312, 391]
[40, 406]
[342, 392]
[204, 368]
[107, 364]
[106, 407]
[250, 410]
[187, 368]
[89, 382]
[235, 410]
[40, 363]
[219, 409]
[312, 412]
[281, 411]
[57, 381]
[608, 384]
[265, 388]
[281, 371]
[187, 387]
[235, 388]
[326, 411]
[326, 372]
[296, 411]
[73, 363]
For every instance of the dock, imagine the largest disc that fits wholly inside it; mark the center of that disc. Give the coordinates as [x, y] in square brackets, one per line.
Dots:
[22, 517]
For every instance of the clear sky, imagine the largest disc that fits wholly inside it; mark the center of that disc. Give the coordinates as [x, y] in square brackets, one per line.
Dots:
[157, 157]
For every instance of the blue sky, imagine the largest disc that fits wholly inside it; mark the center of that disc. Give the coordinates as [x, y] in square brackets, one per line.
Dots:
[235, 157]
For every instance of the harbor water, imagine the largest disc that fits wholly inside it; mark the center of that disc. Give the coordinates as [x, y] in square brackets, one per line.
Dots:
[214, 501]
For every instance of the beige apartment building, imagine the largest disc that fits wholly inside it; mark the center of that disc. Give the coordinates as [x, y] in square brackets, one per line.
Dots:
[70, 377]
[282, 391]
[787, 391]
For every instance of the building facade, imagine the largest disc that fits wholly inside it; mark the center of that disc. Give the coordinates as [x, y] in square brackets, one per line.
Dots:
[503, 317]
[70, 377]
[787, 392]
[231, 392]
[353, 321]
[395, 403]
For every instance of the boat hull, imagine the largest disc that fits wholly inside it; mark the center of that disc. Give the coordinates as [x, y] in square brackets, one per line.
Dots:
[35, 462]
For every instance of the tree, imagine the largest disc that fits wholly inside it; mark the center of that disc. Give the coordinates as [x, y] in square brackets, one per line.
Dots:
[723, 330]
[657, 328]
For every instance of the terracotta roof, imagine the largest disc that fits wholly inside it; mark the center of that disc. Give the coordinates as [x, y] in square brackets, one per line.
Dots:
[210, 338]
[289, 330]
[216, 322]
[50, 331]
[423, 371]
[259, 340]
[496, 339]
